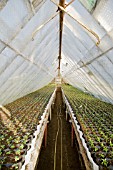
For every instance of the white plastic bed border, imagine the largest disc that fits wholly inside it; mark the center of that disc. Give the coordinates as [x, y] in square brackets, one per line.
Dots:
[33, 153]
[84, 151]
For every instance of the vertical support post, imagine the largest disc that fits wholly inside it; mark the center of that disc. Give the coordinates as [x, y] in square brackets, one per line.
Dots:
[72, 135]
[45, 137]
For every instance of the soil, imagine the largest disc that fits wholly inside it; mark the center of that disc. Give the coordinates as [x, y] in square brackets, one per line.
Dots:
[59, 133]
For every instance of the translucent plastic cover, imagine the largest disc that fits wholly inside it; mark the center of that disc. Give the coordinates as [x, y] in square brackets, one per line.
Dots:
[29, 47]
[27, 63]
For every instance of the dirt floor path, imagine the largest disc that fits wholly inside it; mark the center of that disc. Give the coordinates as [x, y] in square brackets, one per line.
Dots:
[59, 155]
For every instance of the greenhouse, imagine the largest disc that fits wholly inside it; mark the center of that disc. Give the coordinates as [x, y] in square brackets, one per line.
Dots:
[56, 85]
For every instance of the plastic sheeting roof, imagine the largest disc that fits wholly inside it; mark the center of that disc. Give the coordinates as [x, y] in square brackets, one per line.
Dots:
[27, 65]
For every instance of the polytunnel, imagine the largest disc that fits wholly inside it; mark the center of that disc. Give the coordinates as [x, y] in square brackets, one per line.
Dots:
[56, 65]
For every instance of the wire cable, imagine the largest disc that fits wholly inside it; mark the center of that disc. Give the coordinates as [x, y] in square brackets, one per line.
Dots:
[61, 138]
[56, 143]
[56, 139]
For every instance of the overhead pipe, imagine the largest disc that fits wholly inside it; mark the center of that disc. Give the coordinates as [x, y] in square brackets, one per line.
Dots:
[80, 23]
[61, 3]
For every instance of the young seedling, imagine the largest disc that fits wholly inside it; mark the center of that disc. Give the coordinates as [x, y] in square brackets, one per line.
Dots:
[111, 136]
[15, 166]
[111, 154]
[6, 135]
[95, 149]
[10, 138]
[12, 146]
[91, 143]
[2, 146]
[8, 141]
[17, 140]
[0, 152]
[15, 132]
[2, 137]
[8, 153]
[21, 146]
[105, 149]
[26, 137]
[102, 145]
[111, 144]
[106, 138]
[98, 139]
[16, 158]
[102, 155]
[104, 162]
[18, 152]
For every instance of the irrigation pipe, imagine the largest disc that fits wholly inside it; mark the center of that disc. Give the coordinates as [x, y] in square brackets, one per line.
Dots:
[80, 23]
[41, 26]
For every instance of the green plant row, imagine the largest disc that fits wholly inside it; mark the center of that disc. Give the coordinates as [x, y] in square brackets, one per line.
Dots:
[96, 121]
[18, 129]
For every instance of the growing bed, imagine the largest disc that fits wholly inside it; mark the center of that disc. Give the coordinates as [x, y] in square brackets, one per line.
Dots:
[96, 121]
[17, 128]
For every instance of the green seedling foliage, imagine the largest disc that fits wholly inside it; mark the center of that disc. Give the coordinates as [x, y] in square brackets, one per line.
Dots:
[12, 146]
[102, 145]
[102, 155]
[104, 162]
[95, 149]
[0, 152]
[2, 146]
[98, 139]
[111, 144]
[21, 146]
[18, 152]
[16, 140]
[15, 167]
[111, 154]
[8, 153]
[2, 137]
[16, 158]
[105, 149]
[10, 138]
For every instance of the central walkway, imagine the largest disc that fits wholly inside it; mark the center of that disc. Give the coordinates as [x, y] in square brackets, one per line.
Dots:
[59, 155]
